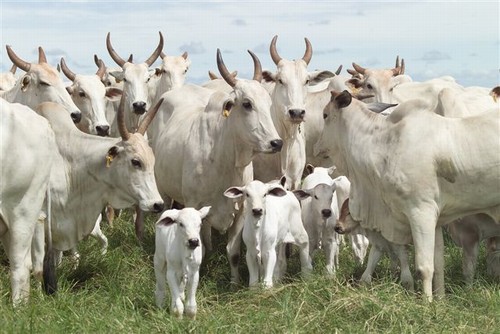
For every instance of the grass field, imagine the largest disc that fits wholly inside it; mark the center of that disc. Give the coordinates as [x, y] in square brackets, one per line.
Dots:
[114, 293]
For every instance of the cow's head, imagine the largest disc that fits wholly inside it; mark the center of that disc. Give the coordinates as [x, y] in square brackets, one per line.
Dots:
[254, 195]
[188, 222]
[132, 163]
[172, 71]
[345, 223]
[248, 110]
[90, 95]
[378, 83]
[41, 83]
[321, 198]
[135, 77]
[291, 82]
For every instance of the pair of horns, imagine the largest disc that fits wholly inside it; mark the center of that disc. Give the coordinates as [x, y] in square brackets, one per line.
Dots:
[143, 126]
[24, 65]
[399, 69]
[230, 78]
[276, 57]
[71, 75]
[184, 55]
[120, 61]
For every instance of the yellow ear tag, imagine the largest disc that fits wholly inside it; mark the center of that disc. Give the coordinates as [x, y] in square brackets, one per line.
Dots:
[494, 98]
[109, 158]
[226, 113]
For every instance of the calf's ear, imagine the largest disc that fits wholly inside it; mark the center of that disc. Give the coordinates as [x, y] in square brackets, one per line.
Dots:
[234, 192]
[204, 211]
[301, 194]
[277, 191]
[168, 217]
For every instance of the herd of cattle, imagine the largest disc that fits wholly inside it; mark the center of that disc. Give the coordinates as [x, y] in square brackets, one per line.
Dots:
[386, 160]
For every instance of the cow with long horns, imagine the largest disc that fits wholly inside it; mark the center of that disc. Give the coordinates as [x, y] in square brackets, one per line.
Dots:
[121, 173]
[40, 83]
[214, 147]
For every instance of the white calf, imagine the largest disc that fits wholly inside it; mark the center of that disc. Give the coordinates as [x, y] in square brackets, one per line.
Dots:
[178, 256]
[270, 221]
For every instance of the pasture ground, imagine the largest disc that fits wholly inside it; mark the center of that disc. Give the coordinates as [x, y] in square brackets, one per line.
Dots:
[114, 293]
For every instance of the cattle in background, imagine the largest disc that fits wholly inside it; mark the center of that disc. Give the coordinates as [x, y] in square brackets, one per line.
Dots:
[177, 258]
[219, 137]
[40, 83]
[404, 199]
[90, 95]
[135, 79]
[8, 79]
[27, 147]
[272, 217]
[288, 113]
[89, 172]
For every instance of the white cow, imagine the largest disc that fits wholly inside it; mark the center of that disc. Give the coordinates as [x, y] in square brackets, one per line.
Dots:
[171, 74]
[272, 217]
[90, 95]
[40, 83]
[320, 213]
[414, 171]
[8, 79]
[219, 137]
[288, 113]
[89, 172]
[135, 79]
[177, 258]
[27, 145]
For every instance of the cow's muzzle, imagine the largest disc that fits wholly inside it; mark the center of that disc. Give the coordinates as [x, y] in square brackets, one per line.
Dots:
[193, 243]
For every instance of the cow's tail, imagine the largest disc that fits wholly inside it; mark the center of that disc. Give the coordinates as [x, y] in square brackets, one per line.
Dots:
[49, 264]
[493, 257]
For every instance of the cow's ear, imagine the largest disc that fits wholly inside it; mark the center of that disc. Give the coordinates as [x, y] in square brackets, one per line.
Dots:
[343, 100]
[301, 194]
[234, 192]
[112, 154]
[168, 217]
[331, 169]
[354, 83]
[118, 75]
[276, 190]
[316, 78]
[268, 76]
[226, 107]
[70, 90]
[113, 94]
[25, 81]
[309, 169]
[204, 211]
[378, 107]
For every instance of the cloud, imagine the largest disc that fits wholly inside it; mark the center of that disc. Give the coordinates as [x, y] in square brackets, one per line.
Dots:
[261, 48]
[193, 48]
[239, 22]
[327, 51]
[434, 55]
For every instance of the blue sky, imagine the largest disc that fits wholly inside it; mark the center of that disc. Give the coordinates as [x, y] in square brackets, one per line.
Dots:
[460, 39]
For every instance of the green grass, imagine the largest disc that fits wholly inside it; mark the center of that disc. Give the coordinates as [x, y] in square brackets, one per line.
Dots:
[114, 293]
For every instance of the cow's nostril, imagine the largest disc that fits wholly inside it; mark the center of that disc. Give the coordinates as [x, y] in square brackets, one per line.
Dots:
[277, 144]
[139, 107]
[157, 207]
[327, 213]
[102, 130]
[76, 116]
[193, 243]
[257, 212]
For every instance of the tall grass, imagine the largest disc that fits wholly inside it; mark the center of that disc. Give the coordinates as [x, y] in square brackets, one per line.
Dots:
[114, 293]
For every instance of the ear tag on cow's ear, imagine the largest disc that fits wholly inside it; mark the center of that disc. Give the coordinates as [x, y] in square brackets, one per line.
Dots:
[226, 113]
[109, 159]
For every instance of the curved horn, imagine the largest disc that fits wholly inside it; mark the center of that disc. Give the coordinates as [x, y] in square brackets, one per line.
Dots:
[231, 81]
[397, 61]
[337, 72]
[118, 60]
[96, 60]
[130, 58]
[41, 56]
[13, 69]
[163, 55]
[148, 118]
[358, 68]
[156, 52]
[352, 72]
[274, 53]
[101, 70]
[23, 65]
[67, 72]
[402, 66]
[257, 67]
[212, 75]
[122, 128]
[185, 55]
[309, 52]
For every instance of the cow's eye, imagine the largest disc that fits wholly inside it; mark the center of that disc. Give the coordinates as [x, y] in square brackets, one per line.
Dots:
[43, 83]
[247, 105]
[307, 82]
[325, 116]
[81, 94]
[181, 224]
[136, 163]
[316, 197]
[369, 86]
[280, 81]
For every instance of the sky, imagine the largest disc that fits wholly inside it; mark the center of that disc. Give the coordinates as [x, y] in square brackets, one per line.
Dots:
[459, 38]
